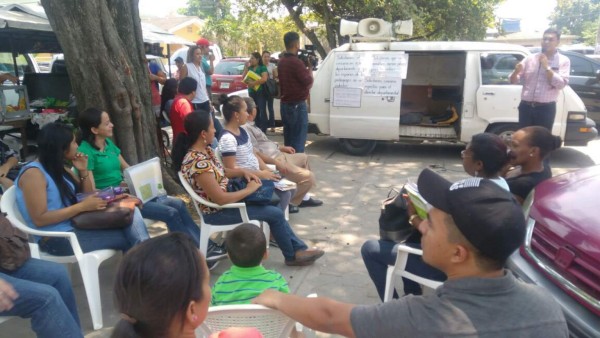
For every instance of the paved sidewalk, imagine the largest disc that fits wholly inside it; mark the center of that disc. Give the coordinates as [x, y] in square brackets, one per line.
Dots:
[352, 188]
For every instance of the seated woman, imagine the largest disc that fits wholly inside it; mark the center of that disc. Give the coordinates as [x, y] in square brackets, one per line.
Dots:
[530, 146]
[193, 155]
[236, 148]
[41, 290]
[485, 156]
[105, 165]
[51, 209]
[147, 309]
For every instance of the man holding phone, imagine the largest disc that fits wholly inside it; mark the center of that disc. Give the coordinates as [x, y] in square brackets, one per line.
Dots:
[208, 66]
[542, 75]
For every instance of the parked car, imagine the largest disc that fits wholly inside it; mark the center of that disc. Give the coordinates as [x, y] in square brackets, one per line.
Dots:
[585, 81]
[227, 78]
[562, 246]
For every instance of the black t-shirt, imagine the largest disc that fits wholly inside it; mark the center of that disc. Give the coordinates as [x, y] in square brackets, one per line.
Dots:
[523, 184]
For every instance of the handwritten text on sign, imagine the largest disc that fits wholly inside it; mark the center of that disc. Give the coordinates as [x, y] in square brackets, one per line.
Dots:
[378, 74]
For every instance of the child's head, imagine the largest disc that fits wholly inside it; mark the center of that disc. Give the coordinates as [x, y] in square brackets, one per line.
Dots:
[162, 288]
[246, 245]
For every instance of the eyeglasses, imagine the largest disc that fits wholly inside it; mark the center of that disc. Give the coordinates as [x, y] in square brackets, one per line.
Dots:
[463, 154]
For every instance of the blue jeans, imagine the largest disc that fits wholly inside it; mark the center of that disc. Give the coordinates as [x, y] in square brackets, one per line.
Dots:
[91, 240]
[172, 211]
[261, 109]
[45, 296]
[378, 255]
[285, 237]
[295, 124]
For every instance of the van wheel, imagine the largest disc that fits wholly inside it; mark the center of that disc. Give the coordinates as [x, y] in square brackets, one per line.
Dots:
[357, 147]
[504, 130]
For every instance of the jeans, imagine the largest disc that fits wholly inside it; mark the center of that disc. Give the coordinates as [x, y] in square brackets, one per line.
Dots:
[173, 211]
[285, 237]
[378, 255]
[261, 109]
[295, 124]
[271, 110]
[91, 240]
[537, 116]
[45, 296]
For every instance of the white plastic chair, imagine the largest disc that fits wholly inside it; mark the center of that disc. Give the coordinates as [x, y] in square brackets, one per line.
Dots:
[206, 230]
[89, 262]
[399, 269]
[271, 323]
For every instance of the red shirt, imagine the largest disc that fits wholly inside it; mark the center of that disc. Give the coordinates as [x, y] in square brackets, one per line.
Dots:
[179, 110]
[294, 78]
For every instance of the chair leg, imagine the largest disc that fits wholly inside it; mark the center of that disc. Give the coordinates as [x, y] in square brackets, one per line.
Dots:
[389, 284]
[89, 273]
[204, 237]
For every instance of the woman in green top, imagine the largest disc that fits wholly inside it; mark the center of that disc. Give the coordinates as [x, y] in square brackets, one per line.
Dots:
[259, 94]
[105, 165]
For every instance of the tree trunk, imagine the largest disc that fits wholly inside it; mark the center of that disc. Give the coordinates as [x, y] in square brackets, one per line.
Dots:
[104, 54]
[295, 14]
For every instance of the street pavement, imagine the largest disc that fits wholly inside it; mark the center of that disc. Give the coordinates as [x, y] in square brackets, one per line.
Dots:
[352, 189]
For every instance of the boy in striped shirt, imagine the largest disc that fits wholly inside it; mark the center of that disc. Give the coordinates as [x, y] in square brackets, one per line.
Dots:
[247, 278]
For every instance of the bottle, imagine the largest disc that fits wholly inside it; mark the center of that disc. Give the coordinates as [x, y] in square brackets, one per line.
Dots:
[162, 193]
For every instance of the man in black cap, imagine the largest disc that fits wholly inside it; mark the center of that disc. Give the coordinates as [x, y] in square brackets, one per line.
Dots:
[471, 229]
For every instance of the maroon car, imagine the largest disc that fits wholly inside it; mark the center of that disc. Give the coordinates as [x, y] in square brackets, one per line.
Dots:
[227, 78]
[562, 246]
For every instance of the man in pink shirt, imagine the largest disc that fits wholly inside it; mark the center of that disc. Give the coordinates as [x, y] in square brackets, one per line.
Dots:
[542, 75]
[182, 104]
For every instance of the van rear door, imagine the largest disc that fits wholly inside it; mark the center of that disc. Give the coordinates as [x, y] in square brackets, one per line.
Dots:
[365, 94]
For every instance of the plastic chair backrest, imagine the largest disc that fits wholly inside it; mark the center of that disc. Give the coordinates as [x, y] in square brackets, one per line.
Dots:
[144, 179]
[271, 323]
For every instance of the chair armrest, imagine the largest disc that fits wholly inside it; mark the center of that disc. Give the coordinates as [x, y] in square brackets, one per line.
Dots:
[408, 249]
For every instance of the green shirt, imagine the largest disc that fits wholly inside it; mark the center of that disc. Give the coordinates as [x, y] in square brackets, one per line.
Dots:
[240, 285]
[258, 70]
[105, 165]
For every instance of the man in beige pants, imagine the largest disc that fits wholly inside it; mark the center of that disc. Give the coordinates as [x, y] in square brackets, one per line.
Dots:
[291, 165]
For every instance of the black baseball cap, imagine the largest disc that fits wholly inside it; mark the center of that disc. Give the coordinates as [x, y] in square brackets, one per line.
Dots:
[487, 215]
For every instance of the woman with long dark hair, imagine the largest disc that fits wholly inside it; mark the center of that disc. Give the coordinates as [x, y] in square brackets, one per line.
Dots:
[162, 290]
[105, 165]
[195, 158]
[52, 208]
[256, 88]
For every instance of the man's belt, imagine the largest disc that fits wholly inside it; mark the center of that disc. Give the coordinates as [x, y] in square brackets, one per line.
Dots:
[537, 104]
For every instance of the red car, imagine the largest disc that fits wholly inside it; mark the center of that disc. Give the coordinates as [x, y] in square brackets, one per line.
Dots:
[562, 246]
[227, 78]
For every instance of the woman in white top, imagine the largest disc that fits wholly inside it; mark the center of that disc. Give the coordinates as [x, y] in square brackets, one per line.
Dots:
[193, 69]
[272, 70]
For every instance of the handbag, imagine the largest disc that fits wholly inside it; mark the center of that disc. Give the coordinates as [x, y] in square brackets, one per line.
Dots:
[393, 220]
[14, 246]
[118, 214]
[272, 87]
[263, 195]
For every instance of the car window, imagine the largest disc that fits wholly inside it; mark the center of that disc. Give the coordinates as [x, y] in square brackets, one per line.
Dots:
[581, 66]
[230, 68]
[496, 67]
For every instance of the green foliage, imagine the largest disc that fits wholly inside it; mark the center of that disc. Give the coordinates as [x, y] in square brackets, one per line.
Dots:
[577, 17]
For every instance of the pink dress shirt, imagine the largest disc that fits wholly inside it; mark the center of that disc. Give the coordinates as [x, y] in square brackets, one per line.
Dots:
[536, 87]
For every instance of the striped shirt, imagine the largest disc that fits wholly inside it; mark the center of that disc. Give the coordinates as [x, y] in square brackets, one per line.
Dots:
[240, 285]
[240, 147]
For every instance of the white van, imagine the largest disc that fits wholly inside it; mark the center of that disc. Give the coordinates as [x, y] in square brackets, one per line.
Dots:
[182, 53]
[366, 92]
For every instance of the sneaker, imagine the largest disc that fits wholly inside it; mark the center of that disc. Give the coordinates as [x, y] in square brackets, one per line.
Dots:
[212, 264]
[293, 209]
[273, 244]
[215, 252]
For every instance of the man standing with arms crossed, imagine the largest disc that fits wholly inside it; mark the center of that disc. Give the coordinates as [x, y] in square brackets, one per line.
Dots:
[543, 75]
[295, 79]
